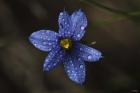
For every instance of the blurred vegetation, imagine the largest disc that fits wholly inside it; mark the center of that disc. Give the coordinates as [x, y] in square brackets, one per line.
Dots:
[113, 25]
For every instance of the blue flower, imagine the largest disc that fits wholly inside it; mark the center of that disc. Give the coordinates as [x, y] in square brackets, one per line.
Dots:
[64, 46]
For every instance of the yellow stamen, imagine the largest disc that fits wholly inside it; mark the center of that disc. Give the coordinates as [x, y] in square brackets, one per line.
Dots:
[66, 43]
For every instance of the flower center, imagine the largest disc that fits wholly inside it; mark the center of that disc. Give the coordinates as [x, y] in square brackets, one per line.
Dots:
[66, 43]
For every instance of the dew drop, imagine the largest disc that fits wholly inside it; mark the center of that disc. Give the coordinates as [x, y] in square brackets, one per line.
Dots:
[61, 13]
[35, 44]
[81, 66]
[44, 43]
[71, 62]
[89, 57]
[65, 23]
[48, 39]
[91, 50]
[79, 59]
[68, 71]
[44, 65]
[61, 55]
[48, 66]
[42, 33]
[80, 48]
[78, 35]
[69, 32]
[72, 72]
[49, 44]
[82, 27]
[74, 75]
[41, 37]
[54, 64]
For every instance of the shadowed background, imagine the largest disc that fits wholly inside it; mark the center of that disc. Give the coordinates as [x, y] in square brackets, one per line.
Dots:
[114, 25]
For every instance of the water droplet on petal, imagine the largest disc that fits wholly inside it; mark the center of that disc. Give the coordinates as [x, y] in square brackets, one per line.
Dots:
[54, 64]
[68, 71]
[81, 66]
[61, 13]
[78, 35]
[92, 50]
[69, 32]
[48, 39]
[82, 27]
[74, 75]
[71, 62]
[65, 23]
[35, 44]
[72, 72]
[41, 37]
[44, 65]
[79, 59]
[49, 44]
[44, 43]
[48, 66]
[42, 33]
[89, 57]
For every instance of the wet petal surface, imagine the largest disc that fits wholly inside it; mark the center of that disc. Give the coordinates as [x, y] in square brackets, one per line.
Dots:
[64, 24]
[54, 58]
[75, 69]
[87, 53]
[79, 23]
[44, 40]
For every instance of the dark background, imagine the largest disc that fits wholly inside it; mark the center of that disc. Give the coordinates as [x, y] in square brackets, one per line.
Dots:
[113, 24]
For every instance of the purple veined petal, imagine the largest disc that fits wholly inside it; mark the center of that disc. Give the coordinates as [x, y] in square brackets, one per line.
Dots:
[79, 23]
[75, 69]
[87, 53]
[64, 24]
[44, 40]
[54, 58]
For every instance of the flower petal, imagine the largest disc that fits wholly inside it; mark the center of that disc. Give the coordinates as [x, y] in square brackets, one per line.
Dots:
[87, 53]
[64, 24]
[79, 23]
[75, 68]
[54, 58]
[44, 40]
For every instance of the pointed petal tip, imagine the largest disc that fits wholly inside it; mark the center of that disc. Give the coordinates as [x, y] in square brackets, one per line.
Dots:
[31, 35]
[80, 10]
[44, 68]
[98, 57]
[89, 54]
[78, 81]
[75, 69]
